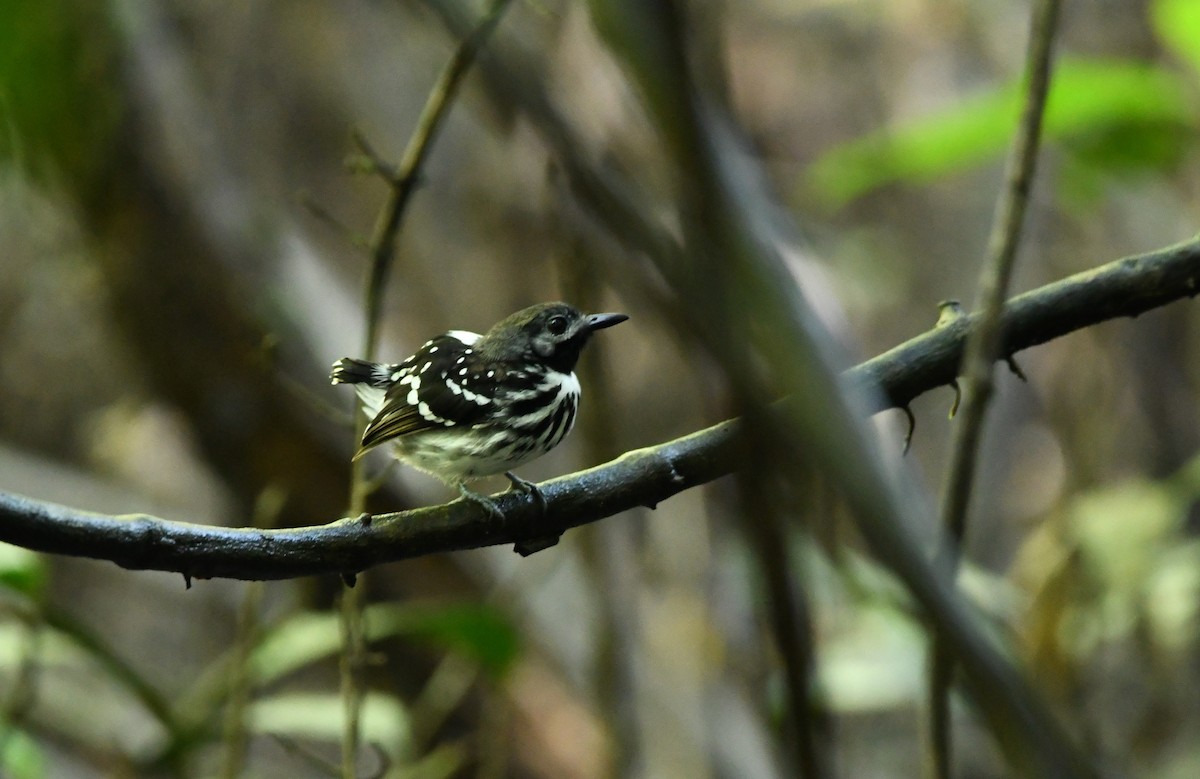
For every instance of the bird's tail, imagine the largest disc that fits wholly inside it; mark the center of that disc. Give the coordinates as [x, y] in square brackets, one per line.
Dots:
[371, 380]
[351, 371]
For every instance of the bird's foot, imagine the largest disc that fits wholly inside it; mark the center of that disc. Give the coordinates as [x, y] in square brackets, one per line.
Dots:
[530, 545]
[483, 501]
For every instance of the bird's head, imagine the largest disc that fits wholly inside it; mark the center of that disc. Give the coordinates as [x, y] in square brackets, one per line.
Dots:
[549, 333]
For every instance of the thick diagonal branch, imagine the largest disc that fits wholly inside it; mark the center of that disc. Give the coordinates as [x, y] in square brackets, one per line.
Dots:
[642, 477]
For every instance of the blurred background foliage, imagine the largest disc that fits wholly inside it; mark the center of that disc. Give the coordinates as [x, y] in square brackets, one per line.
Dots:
[168, 307]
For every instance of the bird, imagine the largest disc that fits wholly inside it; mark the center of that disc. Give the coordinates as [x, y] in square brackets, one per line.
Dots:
[468, 405]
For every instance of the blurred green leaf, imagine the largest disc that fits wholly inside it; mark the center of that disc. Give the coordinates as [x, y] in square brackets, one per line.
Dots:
[21, 570]
[301, 639]
[58, 85]
[479, 632]
[441, 762]
[319, 716]
[1130, 564]
[1122, 528]
[1177, 23]
[22, 758]
[1124, 106]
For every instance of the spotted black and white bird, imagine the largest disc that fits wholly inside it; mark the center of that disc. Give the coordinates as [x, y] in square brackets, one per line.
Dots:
[467, 405]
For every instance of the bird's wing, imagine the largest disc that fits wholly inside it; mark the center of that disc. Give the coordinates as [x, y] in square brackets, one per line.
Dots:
[429, 393]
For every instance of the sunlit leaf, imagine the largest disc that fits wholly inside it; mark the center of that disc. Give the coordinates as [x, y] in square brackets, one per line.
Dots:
[1119, 99]
[478, 632]
[384, 719]
[22, 757]
[1177, 23]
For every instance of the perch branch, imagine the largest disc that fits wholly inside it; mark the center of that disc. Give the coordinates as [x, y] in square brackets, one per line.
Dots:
[643, 477]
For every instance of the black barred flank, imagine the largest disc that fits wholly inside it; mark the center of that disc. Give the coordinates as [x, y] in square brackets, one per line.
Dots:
[556, 428]
[530, 405]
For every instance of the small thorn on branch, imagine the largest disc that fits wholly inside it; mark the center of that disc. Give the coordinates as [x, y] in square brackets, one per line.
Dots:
[912, 426]
[187, 580]
[1015, 368]
[957, 399]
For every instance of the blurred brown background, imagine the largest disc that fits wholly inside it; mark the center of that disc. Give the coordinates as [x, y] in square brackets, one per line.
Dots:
[169, 308]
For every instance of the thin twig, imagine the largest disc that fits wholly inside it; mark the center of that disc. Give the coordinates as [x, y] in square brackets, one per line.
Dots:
[267, 508]
[408, 173]
[248, 631]
[322, 214]
[350, 668]
[983, 346]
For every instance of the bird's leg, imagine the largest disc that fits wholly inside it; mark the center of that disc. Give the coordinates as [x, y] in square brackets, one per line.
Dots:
[487, 503]
[530, 545]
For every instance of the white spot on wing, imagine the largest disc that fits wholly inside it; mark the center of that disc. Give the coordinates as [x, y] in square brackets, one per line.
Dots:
[465, 336]
[426, 412]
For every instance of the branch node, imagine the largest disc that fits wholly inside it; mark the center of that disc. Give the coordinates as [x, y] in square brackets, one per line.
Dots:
[949, 311]
[532, 545]
[368, 161]
[349, 579]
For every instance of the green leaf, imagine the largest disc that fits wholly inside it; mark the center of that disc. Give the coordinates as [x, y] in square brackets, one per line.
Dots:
[384, 719]
[1085, 96]
[479, 632]
[300, 640]
[22, 758]
[21, 570]
[1177, 23]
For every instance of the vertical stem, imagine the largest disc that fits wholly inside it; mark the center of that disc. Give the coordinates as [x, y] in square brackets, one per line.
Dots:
[983, 344]
[234, 759]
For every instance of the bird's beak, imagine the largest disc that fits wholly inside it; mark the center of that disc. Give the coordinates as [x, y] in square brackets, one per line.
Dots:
[601, 321]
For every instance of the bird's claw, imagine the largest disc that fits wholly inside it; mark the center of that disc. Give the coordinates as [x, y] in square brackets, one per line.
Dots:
[526, 487]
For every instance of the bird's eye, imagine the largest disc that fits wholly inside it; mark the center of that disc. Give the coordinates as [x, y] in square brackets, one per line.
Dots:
[557, 325]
